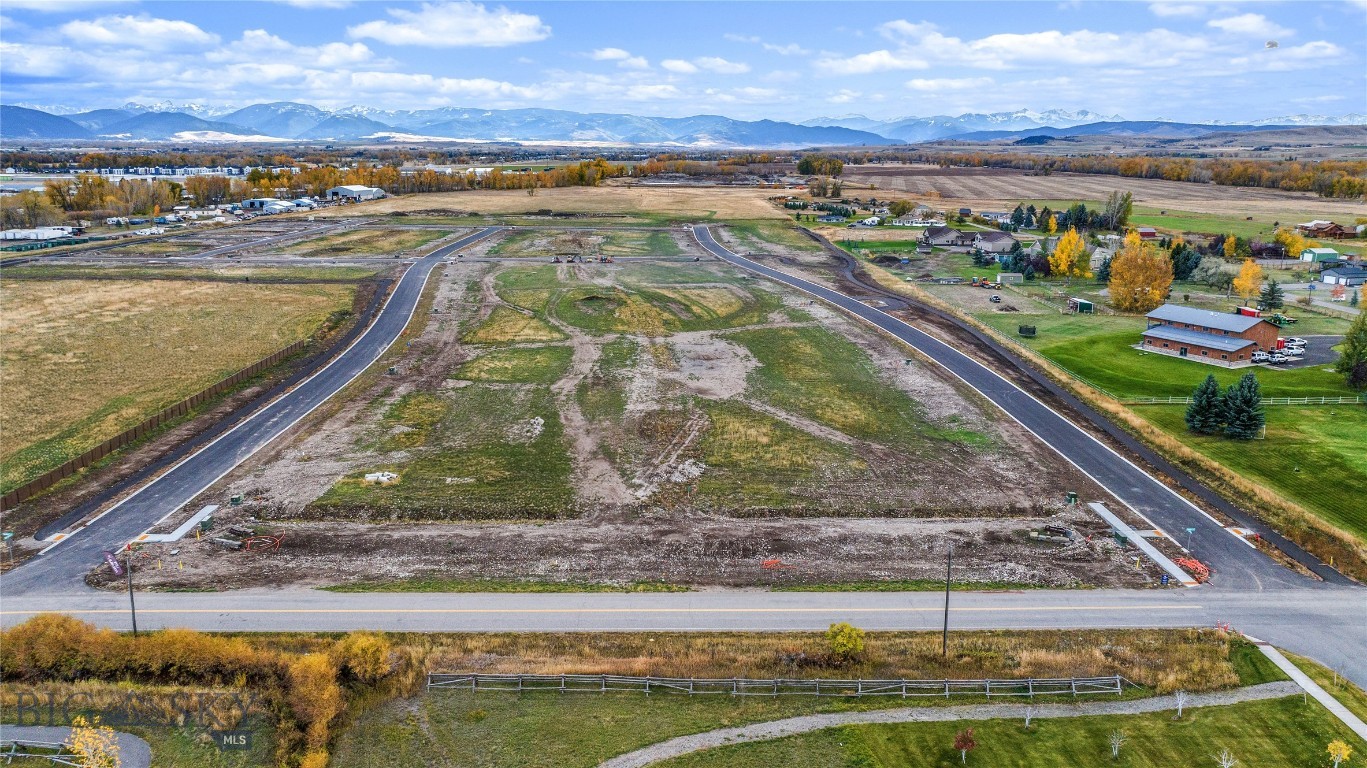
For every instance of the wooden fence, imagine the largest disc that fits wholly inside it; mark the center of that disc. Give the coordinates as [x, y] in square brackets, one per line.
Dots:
[147, 427]
[1029, 687]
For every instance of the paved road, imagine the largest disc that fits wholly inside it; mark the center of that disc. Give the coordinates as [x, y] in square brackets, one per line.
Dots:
[133, 751]
[62, 566]
[1329, 624]
[1236, 563]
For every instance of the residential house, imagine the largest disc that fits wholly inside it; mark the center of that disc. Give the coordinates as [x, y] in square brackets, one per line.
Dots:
[994, 242]
[832, 218]
[871, 221]
[903, 221]
[945, 237]
[1099, 257]
[1326, 229]
[996, 217]
[1349, 276]
[1219, 338]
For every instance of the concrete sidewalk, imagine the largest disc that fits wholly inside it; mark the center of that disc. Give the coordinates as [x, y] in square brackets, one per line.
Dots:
[1311, 687]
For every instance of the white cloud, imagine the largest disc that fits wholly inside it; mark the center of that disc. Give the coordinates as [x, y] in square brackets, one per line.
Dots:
[255, 43]
[454, 25]
[875, 61]
[57, 6]
[844, 96]
[948, 83]
[143, 32]
[1176, 9]
[1254, 24]
[312, 4]
[678, 65]
[714, 64]
[791, 49]
[721, 66]
[479, 87]
[623, 58]
[1286, 58]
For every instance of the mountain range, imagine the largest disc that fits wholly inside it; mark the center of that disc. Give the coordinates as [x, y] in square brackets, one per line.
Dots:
[291, 121]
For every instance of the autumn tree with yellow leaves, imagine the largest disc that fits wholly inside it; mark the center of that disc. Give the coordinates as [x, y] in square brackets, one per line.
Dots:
[1068, 259]
[1249, 280]
[1140, 276]
[95, 745]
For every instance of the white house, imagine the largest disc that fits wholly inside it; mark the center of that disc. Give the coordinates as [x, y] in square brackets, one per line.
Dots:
[871, 221]
[1099, 257]
[994, 242]
[355, 192]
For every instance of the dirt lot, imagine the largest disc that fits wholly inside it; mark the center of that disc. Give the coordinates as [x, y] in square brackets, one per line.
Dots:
[670, 421]
[988, 188]
[85, 359]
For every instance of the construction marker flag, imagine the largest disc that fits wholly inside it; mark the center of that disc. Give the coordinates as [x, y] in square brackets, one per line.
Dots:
[113, 563]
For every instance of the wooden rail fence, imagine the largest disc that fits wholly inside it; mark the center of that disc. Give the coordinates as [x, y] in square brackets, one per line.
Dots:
[147, 427]
[1029, 687]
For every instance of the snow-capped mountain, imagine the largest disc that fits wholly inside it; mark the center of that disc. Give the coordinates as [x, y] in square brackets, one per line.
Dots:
[285, 121]
[946, 126]
[202, 111]
[1353, 119]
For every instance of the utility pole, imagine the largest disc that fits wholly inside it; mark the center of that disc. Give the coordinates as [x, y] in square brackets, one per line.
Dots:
[132, 609]
[944, 642]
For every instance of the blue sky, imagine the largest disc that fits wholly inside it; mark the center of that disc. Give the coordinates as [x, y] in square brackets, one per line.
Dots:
[1179, 59]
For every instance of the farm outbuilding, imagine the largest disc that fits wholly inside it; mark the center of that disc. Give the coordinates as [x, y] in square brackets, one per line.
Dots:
[1221, 338]
[1081, 306]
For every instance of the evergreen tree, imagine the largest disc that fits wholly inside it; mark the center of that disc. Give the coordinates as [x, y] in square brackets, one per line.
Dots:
[1272, 296]
[1206, 412]
[1354, 357]
[1030, 213]
[1018, 217]
[1244, 416]
[1103, 273]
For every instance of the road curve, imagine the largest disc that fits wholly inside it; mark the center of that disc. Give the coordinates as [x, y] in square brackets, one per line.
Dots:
[62, 566]
[1236, 564]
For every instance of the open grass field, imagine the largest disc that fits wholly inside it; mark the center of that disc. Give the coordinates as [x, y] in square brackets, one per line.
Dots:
[85, 360]
[609, 205]
[493, 470]
[366, 242]
[664, 310]
[534, 365]
[1265, 734]
[822, 376]
[1316, 455]
[567, 730]
[506, 325]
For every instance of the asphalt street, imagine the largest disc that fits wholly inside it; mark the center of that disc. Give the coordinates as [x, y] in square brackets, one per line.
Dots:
[62, 567]
[1328, 624]
[1236, 564]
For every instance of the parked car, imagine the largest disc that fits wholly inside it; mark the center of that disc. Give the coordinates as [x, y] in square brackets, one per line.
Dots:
[1276, 358]
[995, 298]
[1294, 351]
[1295, 341]
[1260, 357]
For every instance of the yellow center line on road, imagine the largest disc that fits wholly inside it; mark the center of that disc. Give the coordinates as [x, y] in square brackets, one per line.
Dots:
[843, 609]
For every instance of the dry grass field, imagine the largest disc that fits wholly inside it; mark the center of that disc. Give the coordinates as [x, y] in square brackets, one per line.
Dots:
[678, 202]
[85, 359]
[994, 187]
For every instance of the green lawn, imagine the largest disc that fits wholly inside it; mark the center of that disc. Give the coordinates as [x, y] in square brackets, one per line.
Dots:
[1349, 695]
[759, 232]
[1315, 455]
[1281, 733]
[602, 394]
[1097, 349]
